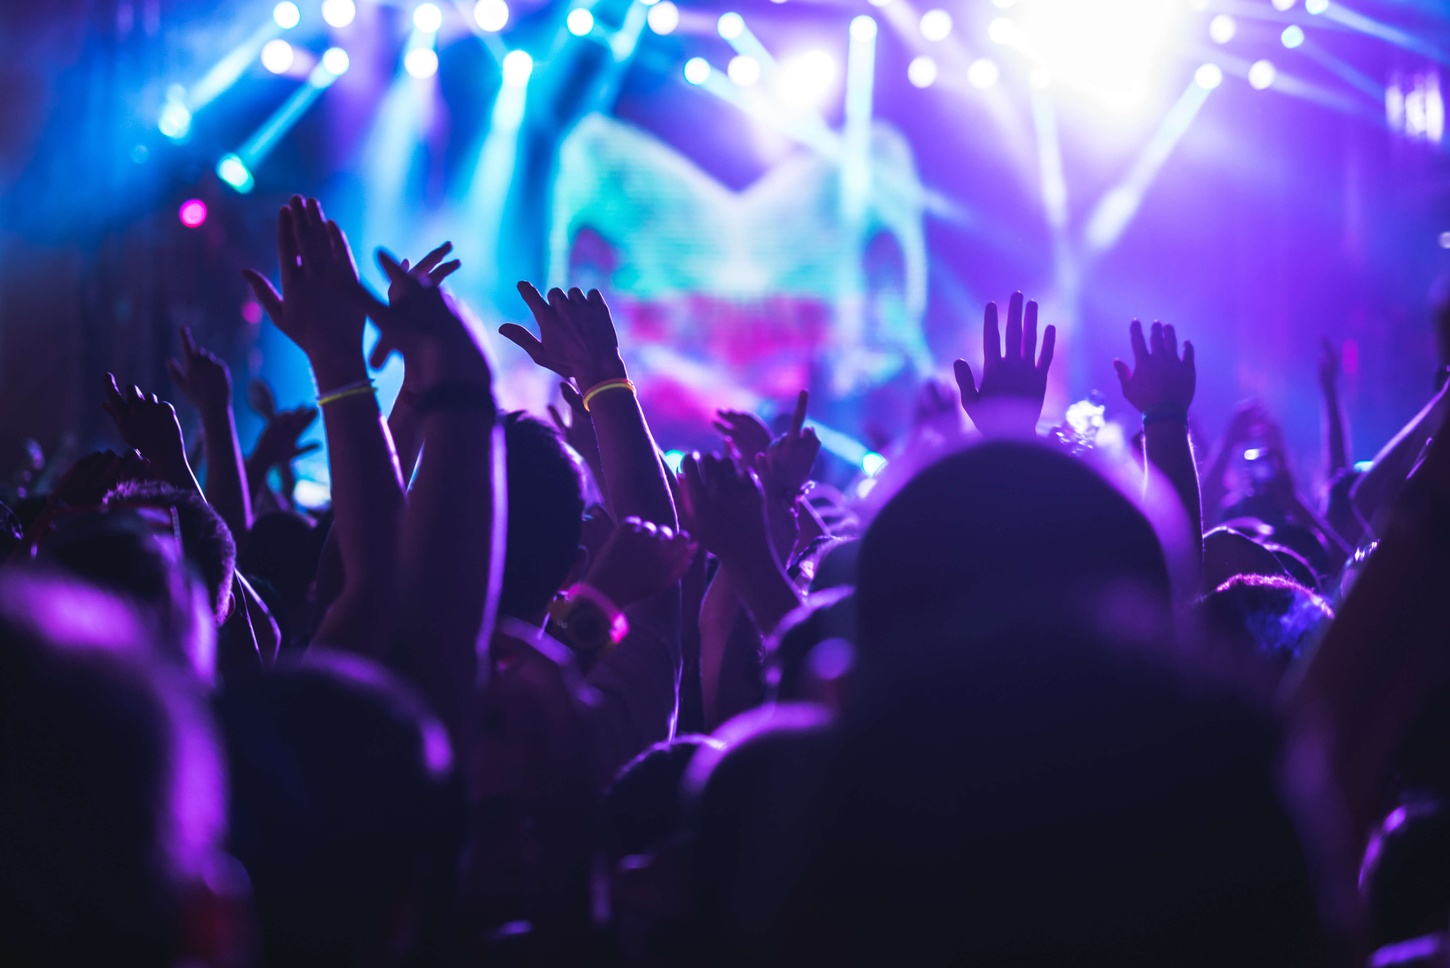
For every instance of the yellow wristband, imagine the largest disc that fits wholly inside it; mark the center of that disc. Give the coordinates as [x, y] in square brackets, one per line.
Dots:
[599, 388]
[343, 394]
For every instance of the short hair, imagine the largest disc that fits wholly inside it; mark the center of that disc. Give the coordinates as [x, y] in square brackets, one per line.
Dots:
[205, 538]
[112, 788]
[343, 802]
[1275, 618]
[643, 806]
[545, 515]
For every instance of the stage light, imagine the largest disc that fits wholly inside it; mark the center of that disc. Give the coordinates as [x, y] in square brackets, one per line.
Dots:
[807, 79]
[277, 56]
[863, 28]
[1445, 240]
[697, 70]
[428, 18]
[579, 22]
[922, 71]
[878, 3]
[517, 67]
[1261, 75]
[491, 15]
[335, 61]
[1209, 76]
[233, 171]
[1316, 6]
[421, 62]
[743, 69]
[1002, 31]
[1003, 4]
[663, 17]
[1110, 49]
[1283, 4]
[936, 25]
[1221, 29]
[1293, 36]
[873, 464]
[338, 13]
[192, 213]
[175, 121]
[1039, 78]
[286, 15]
[730, 25]
[649, 3]
[983, 73]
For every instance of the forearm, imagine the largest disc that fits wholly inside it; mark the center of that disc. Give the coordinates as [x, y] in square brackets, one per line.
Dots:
[1336, 434]
[448, 573]
[226, 474]
[367, 501]
[632, 476]
[406, 426]
[1379, 486]
[765, 589]
[718, 609]
[1170, 451]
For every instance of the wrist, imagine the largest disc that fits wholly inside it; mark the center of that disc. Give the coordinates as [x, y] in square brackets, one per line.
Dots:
[333, 372]
[1167, 413]
[599, 371]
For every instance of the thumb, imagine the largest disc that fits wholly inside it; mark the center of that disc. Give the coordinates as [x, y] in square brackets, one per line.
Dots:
[966, 382]
[382, 349]
[1124, 374]
[178, 375]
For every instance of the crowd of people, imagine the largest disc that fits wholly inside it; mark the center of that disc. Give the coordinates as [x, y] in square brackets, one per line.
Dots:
[523, 695]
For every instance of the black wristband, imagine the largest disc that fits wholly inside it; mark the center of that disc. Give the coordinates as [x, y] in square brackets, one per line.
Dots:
[457, 396]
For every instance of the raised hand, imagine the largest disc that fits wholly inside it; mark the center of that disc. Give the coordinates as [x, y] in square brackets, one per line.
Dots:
[1160, 379]
[578, 429]
[148, 424]
[201, 376]
[745, 434]
[1329, 365]
[95, 475]
[279, 443]
[639, 561]
[433, 266]
[786, 464]
[576, 340]
[1009, 400]
[726, 508]
[316, 308]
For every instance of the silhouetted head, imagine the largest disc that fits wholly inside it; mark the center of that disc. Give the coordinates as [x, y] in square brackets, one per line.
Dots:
[545, 511]
[112, 790]
[1276, 619]
[1405, 878]
[795, 671]
[342, 809]
[1004, 535]
[205, 538]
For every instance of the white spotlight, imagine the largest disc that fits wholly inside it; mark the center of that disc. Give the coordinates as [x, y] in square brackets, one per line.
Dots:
[579, 22]
[1316, 6]
[421, 62]
[1293, 36]
[743, 69]
[878, 3]
[1209, 76]
[1283, 4]
[286, 15]
[491, 15]
[663, 17]
[697, 70]
[1002, 31]
[517, 66]
[335, 61]
[936, 25]
[922, 71]
[807, 79]
[863, 28]
[731, 25]
[428, 18]
[1262, 75]
[1222, 28]
[983, 73]
[277, 56]
[338, 13]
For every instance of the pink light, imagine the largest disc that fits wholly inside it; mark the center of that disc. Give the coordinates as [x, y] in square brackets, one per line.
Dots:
[193, 213]
[252, 311]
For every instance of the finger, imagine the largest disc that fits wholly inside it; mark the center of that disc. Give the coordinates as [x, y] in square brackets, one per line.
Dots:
[1124, 374]
[397, 275]
[596, 299]
[1049, 345]
[573, 398]
[404, 264]
[178, 375]
[722, 429]
[798, 419]
[557, 300]
[576, 295]
[113, 392]
[1013, 350]
[136, 394]
[337, 242]
[558, 420]
[155, 400]
[301, 237]
[991, 337]
[382, 349]
[966, 383]
[188, 344]
[1155, 339]
[306, 449]
[288, 253]
[1188, 357]
[1029, 332]
[430, 261]
[266, 294]
[536, 303]
[524, 340]
[1140, 346]
[444, 271]
[1170, 340]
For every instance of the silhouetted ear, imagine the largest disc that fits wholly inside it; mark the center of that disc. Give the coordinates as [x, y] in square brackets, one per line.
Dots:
[219, 927]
